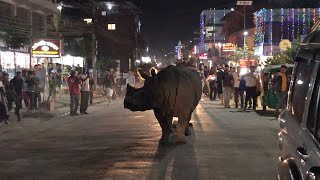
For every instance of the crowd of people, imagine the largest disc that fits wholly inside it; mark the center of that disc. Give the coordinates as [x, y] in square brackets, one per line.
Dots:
[114, 88]
[225, 83]
[28, 86]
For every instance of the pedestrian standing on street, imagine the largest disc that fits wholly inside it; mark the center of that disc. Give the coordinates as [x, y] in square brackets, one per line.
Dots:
[220, 74]
[4, 112]
[281, 83]
[85, 93]
[237, 92]
[25, 96]
[132, 78]
[206, 88]
[251, 88]
[41, 74]
[52, 85]
[31, 88]
[17, 84]
[74, 90]
[227, 81]
[49, 69]
[212, 79]
[91, 83]
[109, 83]
[37, 96]
[58, 76]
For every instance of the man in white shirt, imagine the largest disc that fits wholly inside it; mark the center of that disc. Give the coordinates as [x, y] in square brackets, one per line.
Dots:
[237, 92]
[251, 87]
[131, 79]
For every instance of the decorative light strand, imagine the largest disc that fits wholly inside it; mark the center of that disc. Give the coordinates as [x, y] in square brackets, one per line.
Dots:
[214, 25]
[288, 23]
[202, 33]
[210, 23]
[304, 20]
[309, 20]
[314, 16]
[271, 19]
[224, 14]
[293, 21]
[298, 21]
[282, 20]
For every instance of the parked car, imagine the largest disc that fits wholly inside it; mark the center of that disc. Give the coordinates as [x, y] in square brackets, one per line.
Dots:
[299, 137]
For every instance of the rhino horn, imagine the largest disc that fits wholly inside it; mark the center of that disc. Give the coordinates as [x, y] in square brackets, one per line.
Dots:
[143, 74]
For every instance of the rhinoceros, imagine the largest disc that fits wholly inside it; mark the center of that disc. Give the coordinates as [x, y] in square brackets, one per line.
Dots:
[174, 92]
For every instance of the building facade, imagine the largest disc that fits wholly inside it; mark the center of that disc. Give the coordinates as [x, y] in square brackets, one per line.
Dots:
[274, 25]
[211, 29]
[119, 34]
[27, 20]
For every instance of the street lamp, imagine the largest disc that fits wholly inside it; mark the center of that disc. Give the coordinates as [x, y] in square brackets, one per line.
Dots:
[245, 33]
[244, 4]
[59, 7]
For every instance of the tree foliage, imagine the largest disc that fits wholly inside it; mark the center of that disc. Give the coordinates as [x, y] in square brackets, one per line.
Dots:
[286, 57]
[79, 46]
[104, 64]
[14, 41]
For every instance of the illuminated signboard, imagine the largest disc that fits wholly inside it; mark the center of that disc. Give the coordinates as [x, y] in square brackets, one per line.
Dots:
[229, 47]
[46, 48]
[246, 62]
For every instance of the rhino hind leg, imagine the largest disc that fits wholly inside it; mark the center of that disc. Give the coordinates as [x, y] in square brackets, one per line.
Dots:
[182, 128]
[165, 122]
[187, 132]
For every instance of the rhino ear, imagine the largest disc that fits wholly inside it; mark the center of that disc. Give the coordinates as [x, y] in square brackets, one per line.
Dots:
[153, 72]
[143, 74]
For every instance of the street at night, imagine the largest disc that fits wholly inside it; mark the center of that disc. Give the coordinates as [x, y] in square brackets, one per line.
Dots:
[113, 143]
[159, 90]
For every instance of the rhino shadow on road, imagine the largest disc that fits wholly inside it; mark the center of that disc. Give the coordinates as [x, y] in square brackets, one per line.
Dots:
[175, 162]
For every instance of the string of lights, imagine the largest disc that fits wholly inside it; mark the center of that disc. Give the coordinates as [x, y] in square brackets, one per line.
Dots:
[282, 22]
[293, 22]
[214, 25]
[271, 26]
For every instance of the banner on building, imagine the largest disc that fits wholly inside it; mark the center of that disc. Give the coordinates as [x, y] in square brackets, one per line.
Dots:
[229, 47]
[43, 48]
[247, 62]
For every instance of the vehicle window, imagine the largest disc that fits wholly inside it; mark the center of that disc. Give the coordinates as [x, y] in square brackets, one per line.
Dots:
[314, 106]
[300, 87]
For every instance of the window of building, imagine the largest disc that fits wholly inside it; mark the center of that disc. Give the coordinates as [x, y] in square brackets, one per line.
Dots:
[111, 27]
[300, 87]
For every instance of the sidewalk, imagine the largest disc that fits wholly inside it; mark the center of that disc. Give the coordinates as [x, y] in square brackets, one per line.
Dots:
[61, 108]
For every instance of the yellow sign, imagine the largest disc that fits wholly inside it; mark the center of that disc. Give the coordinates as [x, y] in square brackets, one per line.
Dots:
[46, 48]
[285, 45]
[229, 47]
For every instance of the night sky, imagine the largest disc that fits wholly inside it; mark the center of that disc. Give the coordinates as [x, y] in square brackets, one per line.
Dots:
[168, 21]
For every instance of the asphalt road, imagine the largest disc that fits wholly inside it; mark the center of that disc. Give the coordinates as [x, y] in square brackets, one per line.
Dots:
[112, 143]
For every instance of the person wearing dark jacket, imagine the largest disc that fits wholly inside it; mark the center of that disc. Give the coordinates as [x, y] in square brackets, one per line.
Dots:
[17, 84]
[220, 75]
[30, 81]
[281, 84]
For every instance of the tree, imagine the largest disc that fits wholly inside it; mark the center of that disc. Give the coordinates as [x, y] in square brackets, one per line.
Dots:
[287, 57]
[104, 64]
[14, 41]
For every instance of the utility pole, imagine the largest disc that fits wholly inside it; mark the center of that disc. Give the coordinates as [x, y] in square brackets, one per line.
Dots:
[94, 44]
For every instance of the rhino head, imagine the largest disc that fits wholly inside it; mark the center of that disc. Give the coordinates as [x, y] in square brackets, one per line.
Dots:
[141, 99]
